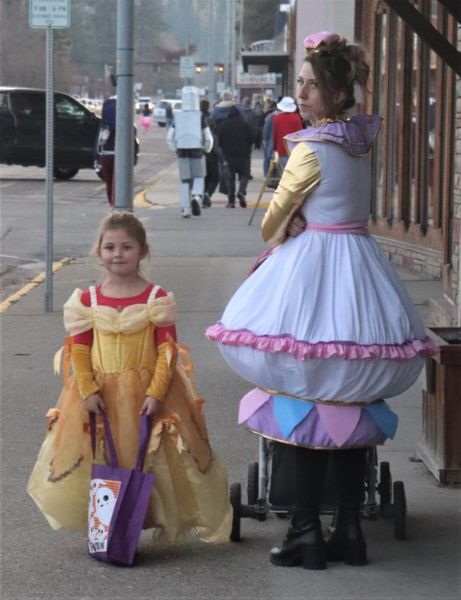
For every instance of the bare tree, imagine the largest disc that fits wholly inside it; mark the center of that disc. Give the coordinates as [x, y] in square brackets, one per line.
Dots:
[23, 50]
[259, 20]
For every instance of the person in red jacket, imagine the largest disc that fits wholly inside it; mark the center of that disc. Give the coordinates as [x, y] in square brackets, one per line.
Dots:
[287, 121]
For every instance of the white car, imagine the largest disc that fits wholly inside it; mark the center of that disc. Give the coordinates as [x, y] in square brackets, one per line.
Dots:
[93, 104]
[160, 110]
[141, 101]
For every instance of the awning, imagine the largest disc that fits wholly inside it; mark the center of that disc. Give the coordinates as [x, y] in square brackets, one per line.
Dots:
[276, 61]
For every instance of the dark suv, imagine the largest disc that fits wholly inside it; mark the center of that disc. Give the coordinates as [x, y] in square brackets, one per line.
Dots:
[22, 131]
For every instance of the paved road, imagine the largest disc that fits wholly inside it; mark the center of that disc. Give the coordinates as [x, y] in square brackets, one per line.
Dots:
[79, 204]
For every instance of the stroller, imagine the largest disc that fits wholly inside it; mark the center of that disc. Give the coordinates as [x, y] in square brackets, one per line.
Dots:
[270, 489]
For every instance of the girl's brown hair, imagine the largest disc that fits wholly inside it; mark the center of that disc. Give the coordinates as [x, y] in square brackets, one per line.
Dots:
[338, 66]
[124, 220]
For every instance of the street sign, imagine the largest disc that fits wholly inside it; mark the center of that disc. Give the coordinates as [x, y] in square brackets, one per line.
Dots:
[186, 67]
[49, 13]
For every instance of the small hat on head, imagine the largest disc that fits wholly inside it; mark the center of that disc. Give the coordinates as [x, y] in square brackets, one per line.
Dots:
[314, 40]
[287, 104]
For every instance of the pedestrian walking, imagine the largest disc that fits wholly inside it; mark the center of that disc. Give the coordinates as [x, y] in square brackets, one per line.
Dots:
[234, 137]
[169, 115]
[259, 112]
[287, 121]
[250, 117]
[126, 363]
[323, 326]
[146, 119]
[268, 146]
[191, 139]
[212, 158]
[106, 146]
[222, 109]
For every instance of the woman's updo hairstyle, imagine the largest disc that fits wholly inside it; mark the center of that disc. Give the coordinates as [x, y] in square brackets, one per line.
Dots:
[338, 66]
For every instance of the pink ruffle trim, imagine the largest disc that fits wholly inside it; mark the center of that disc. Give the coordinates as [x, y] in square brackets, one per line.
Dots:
[303, 350]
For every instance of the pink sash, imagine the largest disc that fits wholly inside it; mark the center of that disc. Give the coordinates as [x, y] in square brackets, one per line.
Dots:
[357, 227]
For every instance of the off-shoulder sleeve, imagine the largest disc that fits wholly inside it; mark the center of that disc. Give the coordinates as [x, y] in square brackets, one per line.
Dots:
[77, 317]
[161, 311]
[300, 177]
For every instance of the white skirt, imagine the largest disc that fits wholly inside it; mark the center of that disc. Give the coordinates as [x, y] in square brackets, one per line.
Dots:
[325, 317]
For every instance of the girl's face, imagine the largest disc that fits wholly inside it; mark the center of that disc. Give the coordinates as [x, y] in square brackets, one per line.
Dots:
[120, 254]
[310, 103]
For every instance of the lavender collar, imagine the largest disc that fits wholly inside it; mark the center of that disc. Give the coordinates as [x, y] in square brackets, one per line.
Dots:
[355, 134]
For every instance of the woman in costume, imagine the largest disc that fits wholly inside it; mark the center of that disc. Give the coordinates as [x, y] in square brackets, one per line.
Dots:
[324, 328]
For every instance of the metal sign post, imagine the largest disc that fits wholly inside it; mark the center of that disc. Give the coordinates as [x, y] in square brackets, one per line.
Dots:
[49, 151]
[49, 14]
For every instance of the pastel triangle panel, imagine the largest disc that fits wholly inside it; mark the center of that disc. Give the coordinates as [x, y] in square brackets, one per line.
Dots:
[384, 417]
[339, 424]
[251, 402]
[289, 412]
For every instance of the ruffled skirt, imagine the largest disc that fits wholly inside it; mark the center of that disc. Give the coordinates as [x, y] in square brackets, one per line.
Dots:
[190, 491]
[324, 320]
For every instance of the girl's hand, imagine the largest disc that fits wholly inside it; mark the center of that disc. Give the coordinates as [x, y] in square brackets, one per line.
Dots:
[296, 225]
[151, 406]
[95, 404]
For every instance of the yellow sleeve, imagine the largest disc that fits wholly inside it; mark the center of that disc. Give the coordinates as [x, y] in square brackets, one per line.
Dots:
[161, 378]
[300, 177]
[80, 356]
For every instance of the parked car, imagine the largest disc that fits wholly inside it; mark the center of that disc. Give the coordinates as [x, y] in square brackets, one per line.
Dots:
[160, 110]
[22, 131]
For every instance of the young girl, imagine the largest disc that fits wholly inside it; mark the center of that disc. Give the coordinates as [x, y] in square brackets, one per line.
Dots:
[324, 327]
[146, 119]
[123, 353]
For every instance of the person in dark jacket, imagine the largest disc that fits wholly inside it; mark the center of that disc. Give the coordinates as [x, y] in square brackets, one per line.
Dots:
[234, 138]
[213, 158]
[222, 109]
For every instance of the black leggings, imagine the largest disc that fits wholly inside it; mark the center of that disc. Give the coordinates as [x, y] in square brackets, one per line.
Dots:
[311, 467]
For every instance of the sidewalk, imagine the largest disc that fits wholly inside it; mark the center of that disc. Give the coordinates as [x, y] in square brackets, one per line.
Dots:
[203, 260]
[165, 192]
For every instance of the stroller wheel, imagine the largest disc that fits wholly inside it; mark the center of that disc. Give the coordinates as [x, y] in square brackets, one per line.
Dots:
[252, 483]
[400, 511]
[235, 497]
[385, 484]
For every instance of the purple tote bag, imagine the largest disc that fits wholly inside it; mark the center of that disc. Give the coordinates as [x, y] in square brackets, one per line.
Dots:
[118, 500]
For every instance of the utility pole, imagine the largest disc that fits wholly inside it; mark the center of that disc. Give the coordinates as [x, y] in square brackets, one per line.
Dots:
[228, 43]
[242, 13]
[124, 138]
[211, 56]
[232, 45]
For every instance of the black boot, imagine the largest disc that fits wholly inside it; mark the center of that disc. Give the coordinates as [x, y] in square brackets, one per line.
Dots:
[303, 546]
[345, 541]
